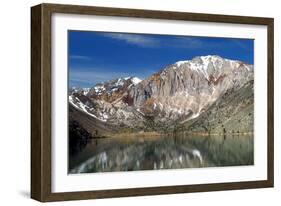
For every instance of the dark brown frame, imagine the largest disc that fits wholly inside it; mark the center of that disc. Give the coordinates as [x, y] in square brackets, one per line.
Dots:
[41, 101]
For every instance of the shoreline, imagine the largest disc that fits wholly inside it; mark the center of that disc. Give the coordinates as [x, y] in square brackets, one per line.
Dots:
[154, 134]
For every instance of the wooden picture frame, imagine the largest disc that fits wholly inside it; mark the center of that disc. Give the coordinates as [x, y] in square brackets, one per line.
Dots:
[41, 116]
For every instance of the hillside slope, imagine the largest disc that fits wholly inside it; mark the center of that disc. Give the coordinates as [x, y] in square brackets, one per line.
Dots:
[233, 112]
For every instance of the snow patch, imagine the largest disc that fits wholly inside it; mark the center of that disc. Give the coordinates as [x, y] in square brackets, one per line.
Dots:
[114, 89]
[202, 67]
[119, 82]
[86, 91]
[179, 63]
[136, 80]
[99, 89]
[79, 105]
[195, 116]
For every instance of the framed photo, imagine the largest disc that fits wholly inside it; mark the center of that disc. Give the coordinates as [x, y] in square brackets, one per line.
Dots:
[132, 102]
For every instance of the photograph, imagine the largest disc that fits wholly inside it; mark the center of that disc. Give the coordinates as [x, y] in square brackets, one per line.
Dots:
[134, 102]
[157, 101]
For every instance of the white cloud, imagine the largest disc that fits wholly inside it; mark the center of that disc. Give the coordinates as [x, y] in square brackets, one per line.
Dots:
[150, 41]
[136, 39]
[186, 42]
[80, 57]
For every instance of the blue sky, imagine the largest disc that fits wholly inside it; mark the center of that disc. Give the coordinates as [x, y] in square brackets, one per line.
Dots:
[95, 57]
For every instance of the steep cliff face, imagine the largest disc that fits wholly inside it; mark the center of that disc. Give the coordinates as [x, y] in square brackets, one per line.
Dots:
[232, 113]
[186, 88]
[178, 93]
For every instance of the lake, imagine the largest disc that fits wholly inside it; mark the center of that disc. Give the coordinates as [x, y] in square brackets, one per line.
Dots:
[157, 152]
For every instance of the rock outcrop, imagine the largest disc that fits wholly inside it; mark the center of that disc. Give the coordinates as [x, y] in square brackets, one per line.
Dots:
[179, 93]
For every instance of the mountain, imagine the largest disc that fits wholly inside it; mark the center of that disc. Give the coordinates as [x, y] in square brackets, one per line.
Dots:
[182, 93]
[112, 90]
[233, 113]
[83, 91]
[108, 102]
[186, 88]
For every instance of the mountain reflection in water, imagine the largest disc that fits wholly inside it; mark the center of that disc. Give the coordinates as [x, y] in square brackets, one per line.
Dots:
[150, 153]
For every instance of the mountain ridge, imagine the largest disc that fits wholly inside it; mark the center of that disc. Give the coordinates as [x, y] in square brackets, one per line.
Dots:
[179, 92]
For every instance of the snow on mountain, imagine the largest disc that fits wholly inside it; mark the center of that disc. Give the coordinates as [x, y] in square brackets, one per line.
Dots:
[204, 64]
[135, 80]
[187, 88]
[86, 91]
[106, 101]
[77, 103]
[181, 91]
[83, 91]
[99, 89]
[113, 86]
[179, 63]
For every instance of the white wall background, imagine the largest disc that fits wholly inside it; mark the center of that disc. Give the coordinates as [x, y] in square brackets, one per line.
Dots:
[15, 102]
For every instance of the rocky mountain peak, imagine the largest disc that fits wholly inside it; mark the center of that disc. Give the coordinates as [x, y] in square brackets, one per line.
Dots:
[188, 87]
[211, 65]
[179, 92]
[111, 90]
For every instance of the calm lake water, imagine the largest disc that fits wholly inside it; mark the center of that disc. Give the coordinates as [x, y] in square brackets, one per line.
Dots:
[128, 154]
